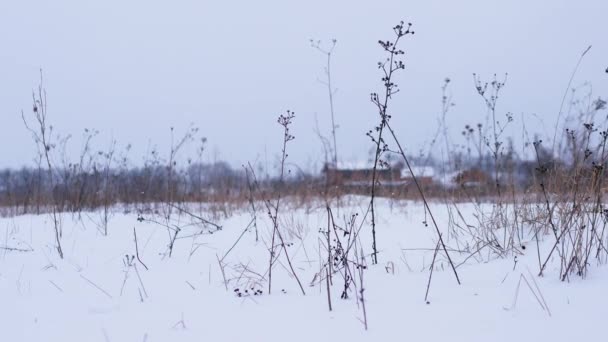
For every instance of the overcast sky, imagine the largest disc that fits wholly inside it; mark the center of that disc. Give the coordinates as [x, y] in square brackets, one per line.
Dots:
[132, 69]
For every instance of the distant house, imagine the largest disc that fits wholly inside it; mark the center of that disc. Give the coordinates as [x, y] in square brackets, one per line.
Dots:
[425, 175]
[471, 178]
[361, 174]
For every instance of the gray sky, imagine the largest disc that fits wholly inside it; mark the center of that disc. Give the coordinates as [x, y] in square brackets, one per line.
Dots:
[132, 69]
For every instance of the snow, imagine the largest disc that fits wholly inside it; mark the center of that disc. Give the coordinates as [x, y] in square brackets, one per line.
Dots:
[420, 171]
[183, 298]
[354, 165]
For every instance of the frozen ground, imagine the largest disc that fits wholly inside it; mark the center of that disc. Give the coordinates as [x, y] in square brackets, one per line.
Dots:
[95, 294]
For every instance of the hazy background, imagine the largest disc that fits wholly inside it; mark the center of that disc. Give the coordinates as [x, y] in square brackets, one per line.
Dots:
[132, 69]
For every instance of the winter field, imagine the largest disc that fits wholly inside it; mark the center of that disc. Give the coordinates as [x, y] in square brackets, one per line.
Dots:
[214, 285]
[444, 178]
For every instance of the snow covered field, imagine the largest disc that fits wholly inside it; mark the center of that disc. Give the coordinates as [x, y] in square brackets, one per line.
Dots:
[102, 292]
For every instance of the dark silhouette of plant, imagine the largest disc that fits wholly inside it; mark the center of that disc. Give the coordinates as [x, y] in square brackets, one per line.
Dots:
[42, 135]
[328, 51]
[392, 64]
[285, 120]
[388, 67]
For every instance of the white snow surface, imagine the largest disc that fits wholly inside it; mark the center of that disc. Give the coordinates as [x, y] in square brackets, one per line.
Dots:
[85, 296]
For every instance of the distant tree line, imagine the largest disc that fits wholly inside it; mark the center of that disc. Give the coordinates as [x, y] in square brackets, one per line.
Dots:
[30, 190]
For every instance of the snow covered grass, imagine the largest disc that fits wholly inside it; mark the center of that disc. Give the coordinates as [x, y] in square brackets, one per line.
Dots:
[214, 286]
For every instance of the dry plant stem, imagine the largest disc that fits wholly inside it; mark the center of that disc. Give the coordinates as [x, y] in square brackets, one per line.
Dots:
[327, 235]
[56, 286]
[105, 218]
[580, 215]
[331, 91]
[96, 286]
[361, 297]
[181, 209]
[390, 88]
[277, 233]
[537, 294]
[219, 262]
[252, 202]
[382, 105]
[172, 240]
[140, 281]
[331, 106]
[272, 242]
[13, 249]
[373, 212]
[238, 239]
[328, 289]
[272, 253]
[496, 147]
[428, 285]
[426, 203]
[284, 121]
[442, 127]
[42, 138]
[561, 107]
[352, 240]
[137, 250]
[124, 282]
[175, 148]
[170, 191]
[542, 170]
[474, 253]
